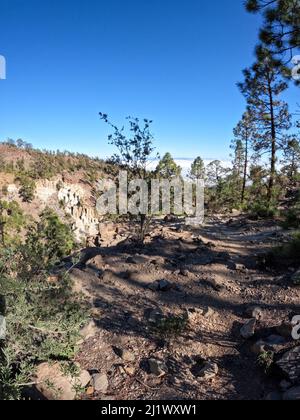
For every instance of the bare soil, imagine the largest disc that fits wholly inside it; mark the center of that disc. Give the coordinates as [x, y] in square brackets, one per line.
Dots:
[215, 278]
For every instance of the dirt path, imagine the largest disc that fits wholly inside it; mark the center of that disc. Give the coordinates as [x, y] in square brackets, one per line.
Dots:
[211, 275]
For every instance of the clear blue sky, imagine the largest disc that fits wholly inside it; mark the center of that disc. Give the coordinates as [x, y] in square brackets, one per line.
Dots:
[173, 61]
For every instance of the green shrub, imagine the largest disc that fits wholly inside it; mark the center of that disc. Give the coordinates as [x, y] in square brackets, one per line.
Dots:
[265, 361]
[292, 218]
[262, 210]
[171, 327]
[286, 255]
[49, 240]
[12, 220]
[27, 188]
[43, 317]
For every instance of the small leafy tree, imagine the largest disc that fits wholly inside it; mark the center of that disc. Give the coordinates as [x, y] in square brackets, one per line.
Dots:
[135, 149]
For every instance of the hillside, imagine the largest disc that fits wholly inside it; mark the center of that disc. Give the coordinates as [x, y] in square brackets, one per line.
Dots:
[181, 316]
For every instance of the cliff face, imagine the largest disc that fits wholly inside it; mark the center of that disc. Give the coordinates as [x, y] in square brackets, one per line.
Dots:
[71, 200]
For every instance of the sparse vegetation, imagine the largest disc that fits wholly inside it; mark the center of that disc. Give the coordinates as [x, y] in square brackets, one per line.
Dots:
[42, 318]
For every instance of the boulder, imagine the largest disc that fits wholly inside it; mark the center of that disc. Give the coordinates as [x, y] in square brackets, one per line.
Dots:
[161, 286]
[296, 278]
[259, 347]
[248, 329]
[89, 331]
[254, 312]
[209, 371]
[55, 384]
[100, 383]
[290, 364]
[157, 367]
[137, 259]
[209, 313]
[126, 355]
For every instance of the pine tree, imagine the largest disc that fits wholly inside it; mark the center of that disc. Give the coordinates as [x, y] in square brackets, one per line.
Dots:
[262, 88]
[237, 165]
[291, 158]
[167, 168]
[244, 134]
[197, 169]
[215, 172]
[281, 28]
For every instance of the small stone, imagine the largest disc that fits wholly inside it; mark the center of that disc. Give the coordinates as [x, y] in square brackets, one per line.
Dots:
[248, 330]
[89, 331]
[289, 364]
[100, 383]
[259, 347]
[137, 259]
[296, 278]
[209, 371]
[90, 391]
[154, 286]
[130, 371]
[292, 394]
[209, 313]
[240, 267]
[127, 356]
[160, 285]
[157, 367]
[184, 272]
[165, 285]
[154, 315]
[254, 312]
[193, 314]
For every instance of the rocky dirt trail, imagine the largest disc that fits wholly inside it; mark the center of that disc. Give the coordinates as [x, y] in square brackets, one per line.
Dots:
[169, 318]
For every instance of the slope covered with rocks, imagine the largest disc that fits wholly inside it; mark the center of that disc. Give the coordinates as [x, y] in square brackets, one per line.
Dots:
[192, 314]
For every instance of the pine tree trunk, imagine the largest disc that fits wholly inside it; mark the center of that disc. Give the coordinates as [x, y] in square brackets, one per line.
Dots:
[273, 147]
[245, 172]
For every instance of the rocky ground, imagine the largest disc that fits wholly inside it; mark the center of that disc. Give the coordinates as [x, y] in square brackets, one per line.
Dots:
[191, 315]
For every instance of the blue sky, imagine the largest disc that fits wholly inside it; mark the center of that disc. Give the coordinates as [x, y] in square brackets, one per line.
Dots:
[176, 62]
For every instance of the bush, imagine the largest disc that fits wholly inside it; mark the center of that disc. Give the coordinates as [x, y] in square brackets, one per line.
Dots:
[171, 327]
[262, 210]
[49, 240]
[292, 218]
[12, 220]
[27, 188]
[43, 316]
[286, 255]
